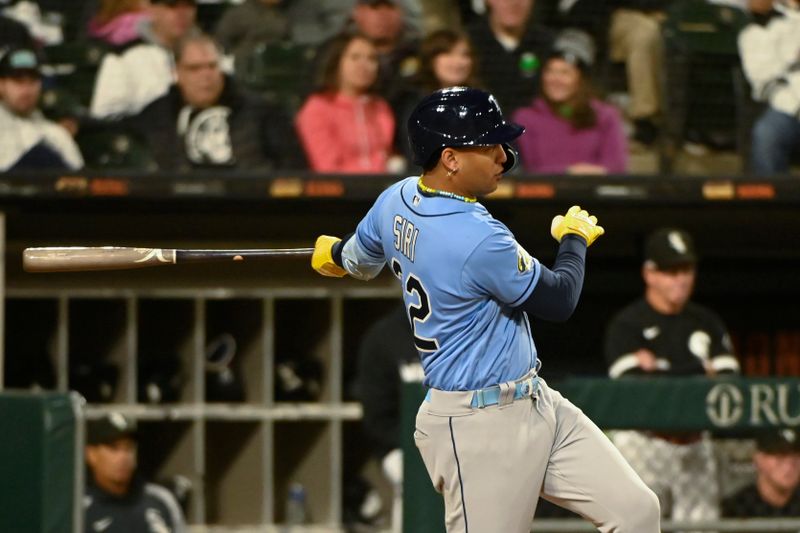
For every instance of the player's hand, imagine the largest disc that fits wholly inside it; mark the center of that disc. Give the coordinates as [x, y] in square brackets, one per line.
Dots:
[578, 222]
[322, 259]
[647, 360]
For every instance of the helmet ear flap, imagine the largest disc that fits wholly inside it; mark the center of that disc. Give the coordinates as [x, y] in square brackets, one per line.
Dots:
[511, 158]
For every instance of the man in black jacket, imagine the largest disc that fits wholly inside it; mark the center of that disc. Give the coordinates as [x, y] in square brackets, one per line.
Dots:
[664, 333]
[205, 120]
[511, 48]
[116, 499]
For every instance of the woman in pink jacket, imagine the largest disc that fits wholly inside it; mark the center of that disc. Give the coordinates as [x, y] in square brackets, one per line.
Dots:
[567, 130]
[345, 127]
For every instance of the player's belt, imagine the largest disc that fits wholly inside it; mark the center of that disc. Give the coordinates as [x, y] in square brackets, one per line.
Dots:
[493, 395]
[502, 394]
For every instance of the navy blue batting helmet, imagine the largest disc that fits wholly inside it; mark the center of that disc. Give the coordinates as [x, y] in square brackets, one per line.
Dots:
[459, 116]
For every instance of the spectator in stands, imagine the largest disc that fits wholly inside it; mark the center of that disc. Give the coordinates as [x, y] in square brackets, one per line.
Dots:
[143, 70]
[387, 358]
[27, 139]
[447, 59]
[312, 23]
[769, 48]
[665, 334]
[385, 23]
[117, 22]
[567, 129]
[206, 120]
[345, 126]
[44, 25]
[116, 498]
[774, 492]
[242, 28]
[635, 38]
[510, 47]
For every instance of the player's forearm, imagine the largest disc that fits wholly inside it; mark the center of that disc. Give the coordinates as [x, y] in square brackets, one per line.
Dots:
[558, 290]
[356, 260]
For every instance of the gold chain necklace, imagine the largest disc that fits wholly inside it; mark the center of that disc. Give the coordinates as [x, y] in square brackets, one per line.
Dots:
[446, 194]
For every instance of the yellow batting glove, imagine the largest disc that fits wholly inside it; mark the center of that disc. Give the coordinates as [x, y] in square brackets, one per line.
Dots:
[576, 221]
[322, 259]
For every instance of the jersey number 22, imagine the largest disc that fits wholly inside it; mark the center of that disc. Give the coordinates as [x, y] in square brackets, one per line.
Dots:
[418, 312]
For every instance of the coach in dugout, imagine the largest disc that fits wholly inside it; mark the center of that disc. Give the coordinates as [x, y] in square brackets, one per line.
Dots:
[206, 121]
[665, 334]
[117, 500]
[27, 139]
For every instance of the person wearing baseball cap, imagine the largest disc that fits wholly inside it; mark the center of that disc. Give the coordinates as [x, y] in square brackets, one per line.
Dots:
[665, 334]
[117, 499]
[27, 139]
[670, 249]
[133, 75]
[774, 492]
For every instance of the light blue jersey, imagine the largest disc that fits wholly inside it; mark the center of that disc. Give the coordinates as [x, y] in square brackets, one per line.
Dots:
[463, 274]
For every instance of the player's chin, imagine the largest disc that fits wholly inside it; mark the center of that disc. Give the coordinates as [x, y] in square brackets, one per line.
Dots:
[490, 188]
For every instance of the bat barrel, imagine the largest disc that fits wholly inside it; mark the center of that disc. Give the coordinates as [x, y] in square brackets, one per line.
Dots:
[88, 258]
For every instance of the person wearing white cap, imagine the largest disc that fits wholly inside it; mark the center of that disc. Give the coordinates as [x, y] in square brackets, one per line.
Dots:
[665, 334]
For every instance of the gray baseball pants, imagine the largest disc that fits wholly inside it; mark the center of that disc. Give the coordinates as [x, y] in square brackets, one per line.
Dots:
[491, 464]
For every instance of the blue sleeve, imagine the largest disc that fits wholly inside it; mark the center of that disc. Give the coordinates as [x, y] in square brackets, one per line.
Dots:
[556, 295]
[500, 268]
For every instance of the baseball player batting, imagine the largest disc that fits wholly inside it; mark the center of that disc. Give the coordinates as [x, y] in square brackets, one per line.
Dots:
[492, 434]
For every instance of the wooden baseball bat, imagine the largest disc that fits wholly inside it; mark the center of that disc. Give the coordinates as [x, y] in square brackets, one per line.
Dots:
[85, 258]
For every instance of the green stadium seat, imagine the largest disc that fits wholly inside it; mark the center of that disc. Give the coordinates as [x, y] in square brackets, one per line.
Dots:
[73, 67]
[115, 149]
[701, 53]
[282, 72]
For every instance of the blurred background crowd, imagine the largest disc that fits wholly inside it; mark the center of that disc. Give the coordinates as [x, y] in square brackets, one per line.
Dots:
[602, 86]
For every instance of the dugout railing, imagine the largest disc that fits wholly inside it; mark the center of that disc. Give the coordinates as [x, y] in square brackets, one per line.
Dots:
[754, 525]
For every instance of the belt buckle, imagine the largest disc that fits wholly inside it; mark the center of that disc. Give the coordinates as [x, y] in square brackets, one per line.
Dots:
[528, 389]
[479, 396]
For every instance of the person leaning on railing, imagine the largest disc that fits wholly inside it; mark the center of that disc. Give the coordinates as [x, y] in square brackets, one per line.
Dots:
[666, 334]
